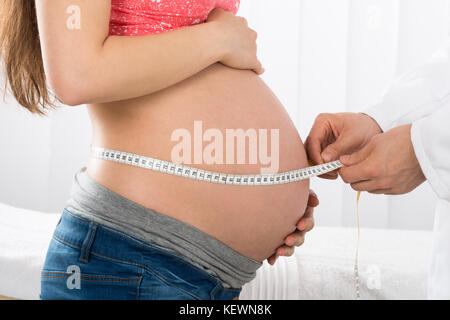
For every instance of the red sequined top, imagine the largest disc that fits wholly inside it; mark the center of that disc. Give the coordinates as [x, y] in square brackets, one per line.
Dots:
[141, 17]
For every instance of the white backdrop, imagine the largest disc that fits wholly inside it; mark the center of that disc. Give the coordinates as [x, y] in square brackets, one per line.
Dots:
[320, 56]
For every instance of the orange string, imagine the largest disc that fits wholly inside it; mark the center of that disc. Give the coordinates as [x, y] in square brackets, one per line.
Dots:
[356, 273]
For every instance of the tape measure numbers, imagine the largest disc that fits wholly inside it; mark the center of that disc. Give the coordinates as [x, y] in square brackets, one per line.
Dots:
[228, 179]
[213, 177]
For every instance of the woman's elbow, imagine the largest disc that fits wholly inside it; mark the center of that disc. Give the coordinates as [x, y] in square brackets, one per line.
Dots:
[70, 99]
[70, 90]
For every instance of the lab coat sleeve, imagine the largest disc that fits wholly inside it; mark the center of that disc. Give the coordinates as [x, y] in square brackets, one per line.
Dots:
[421, 97]
[415, 94]
[431, 140]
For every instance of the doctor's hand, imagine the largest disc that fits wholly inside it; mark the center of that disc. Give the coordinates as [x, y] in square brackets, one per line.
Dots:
[297, 238]
[334, 135]
[386, 165]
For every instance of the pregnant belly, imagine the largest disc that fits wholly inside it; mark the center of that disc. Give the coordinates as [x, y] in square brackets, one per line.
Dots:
[252, 220]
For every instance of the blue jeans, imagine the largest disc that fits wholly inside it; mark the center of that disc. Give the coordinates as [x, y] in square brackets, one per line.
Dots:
[86, 260]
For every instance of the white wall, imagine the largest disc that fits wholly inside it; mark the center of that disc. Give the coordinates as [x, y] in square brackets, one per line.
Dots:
[24, 158]
[320, 56]
[39, 155]
[347, 52]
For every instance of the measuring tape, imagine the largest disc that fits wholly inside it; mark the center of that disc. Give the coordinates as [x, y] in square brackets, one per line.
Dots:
[213, 177]
[223, 178]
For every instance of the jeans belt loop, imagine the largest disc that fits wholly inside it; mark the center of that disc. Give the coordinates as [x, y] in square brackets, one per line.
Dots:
[87, 243]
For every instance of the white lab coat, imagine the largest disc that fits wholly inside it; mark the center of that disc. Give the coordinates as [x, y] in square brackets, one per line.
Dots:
[422, 97]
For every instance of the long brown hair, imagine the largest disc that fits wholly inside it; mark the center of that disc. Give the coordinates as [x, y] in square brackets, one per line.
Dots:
[21, 56]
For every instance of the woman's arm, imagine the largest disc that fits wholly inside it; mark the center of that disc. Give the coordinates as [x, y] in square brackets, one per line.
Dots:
[86, 65]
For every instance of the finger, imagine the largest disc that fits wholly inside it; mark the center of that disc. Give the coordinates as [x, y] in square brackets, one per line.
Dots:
[380, 191]
[214, 13]
[357, 157]
[340, 147]
[364, 186]
[244, 20]
[272, 259]
[313, 200]
[356, 174]
[285, 251]
[314, 149]
[391, 192]
[330, 175]
[374, 186]
[295, 239]
[306, 224]
[307, 219]
[317, 137]
[387, 192]
[258, 69]
[358, 166]
[309, 211]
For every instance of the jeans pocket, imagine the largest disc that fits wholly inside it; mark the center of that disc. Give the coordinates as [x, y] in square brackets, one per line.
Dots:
[154, 286]
[65, 277]
[76, 285]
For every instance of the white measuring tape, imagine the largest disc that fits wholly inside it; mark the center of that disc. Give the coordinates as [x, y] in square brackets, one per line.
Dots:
[222, 178]
[213, 177]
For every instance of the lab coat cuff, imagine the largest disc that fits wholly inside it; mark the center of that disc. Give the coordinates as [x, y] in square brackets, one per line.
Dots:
[379, 114]
[424, 161]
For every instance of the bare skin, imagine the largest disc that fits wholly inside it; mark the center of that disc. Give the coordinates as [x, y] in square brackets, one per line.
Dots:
[334, 135]
[376, 162]
[386, 165]
[252, 220]
[138, 90]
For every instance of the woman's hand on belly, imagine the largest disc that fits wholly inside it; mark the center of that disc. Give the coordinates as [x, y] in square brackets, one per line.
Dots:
[297, 238]
[240, 39]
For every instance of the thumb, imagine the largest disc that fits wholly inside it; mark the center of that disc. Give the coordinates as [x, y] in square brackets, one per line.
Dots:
[357, 157]
[335, 150]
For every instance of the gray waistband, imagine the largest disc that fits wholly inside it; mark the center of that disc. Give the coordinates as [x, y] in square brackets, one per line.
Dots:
[96, 202]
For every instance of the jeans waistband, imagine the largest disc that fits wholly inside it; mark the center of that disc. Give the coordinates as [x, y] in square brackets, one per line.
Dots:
[99, 240]
[93, 201]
